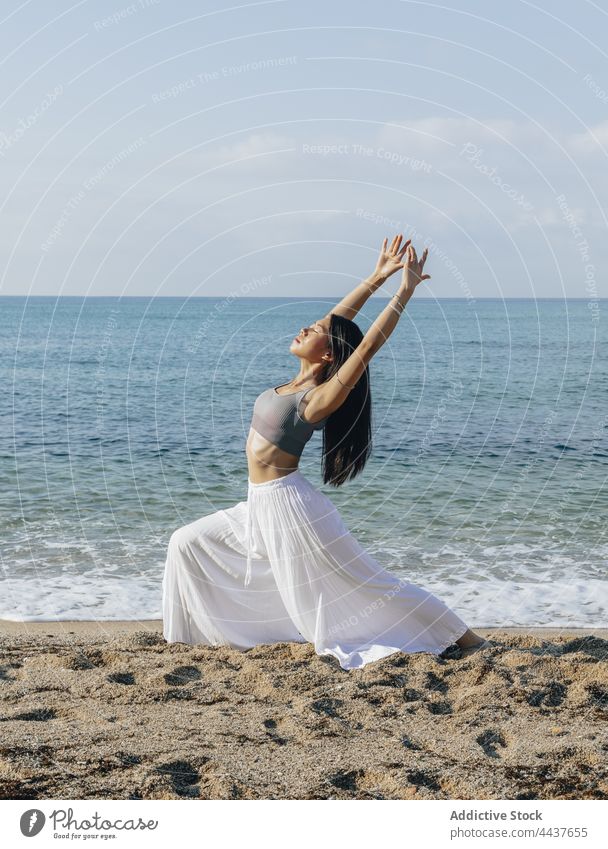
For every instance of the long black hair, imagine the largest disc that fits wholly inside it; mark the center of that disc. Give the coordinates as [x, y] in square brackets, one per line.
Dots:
[347, 434]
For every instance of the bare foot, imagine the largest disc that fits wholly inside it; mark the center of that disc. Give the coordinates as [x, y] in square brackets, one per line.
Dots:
[468, 640]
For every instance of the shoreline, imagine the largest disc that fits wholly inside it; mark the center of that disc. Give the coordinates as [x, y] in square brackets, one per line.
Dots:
[96, 627]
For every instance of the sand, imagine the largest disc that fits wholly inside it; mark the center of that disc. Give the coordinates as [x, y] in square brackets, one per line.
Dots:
[109, 710]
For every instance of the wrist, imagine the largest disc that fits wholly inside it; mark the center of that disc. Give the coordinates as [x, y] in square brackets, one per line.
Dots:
[375, 280]
[405, 293]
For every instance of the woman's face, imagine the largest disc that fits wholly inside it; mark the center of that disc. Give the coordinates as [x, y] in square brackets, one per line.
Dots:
[312, 342]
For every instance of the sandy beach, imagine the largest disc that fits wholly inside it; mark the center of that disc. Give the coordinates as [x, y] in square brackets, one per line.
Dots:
[109, 710]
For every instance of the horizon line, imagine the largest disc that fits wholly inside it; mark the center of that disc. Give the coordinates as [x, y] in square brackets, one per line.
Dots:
[308, 298]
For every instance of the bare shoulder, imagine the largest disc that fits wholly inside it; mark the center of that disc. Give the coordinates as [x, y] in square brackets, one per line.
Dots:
[319, 402]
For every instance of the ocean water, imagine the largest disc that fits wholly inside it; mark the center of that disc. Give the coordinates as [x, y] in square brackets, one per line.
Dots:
[123, 419]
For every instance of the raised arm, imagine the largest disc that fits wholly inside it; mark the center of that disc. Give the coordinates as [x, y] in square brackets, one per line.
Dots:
[330, 395]
[388, 262]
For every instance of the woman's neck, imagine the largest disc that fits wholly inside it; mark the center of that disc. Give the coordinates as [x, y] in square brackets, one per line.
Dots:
[308, 374]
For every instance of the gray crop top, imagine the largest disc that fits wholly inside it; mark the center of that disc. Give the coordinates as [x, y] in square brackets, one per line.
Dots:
[277, 419]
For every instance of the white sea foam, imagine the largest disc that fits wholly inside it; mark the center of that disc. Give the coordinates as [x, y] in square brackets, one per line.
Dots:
[566, 598]
[82, 597]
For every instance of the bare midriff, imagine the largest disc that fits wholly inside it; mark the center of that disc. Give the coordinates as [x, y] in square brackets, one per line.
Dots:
[265, 461]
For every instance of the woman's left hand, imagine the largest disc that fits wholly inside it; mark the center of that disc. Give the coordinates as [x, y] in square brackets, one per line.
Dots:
[389, 260]
[412, 270]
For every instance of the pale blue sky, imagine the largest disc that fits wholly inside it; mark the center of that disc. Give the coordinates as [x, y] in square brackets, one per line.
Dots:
[163, 148]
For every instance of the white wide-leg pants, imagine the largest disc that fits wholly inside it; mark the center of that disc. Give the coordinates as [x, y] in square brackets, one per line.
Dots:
[282, 566]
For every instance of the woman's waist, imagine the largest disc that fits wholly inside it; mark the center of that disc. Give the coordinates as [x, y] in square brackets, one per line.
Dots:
[262, 452]
[293, 477]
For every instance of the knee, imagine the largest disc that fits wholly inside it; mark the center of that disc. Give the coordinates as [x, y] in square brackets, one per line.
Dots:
[205, 531]
[180, 540]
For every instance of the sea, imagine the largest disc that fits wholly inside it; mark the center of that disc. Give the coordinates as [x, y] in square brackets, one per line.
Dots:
[124, 418]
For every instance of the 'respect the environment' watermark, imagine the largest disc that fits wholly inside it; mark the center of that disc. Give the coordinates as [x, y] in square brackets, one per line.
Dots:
[582, 246]
[414, 234]
[87, 185]
[225, 72]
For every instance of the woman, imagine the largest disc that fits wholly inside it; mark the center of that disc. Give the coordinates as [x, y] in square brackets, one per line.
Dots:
[282, 566]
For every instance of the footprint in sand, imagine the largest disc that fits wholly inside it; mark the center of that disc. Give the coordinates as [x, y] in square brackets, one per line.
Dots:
[489, 740]
[38, 715]
[550, 696]
[182, 675]
[433, 682]
[423, 779]
[438, 708]
[89, 659]
[121, 678]
[598, 696]
[270, 725]
[4, 676]
[382, 783]
[346, 779]
[183, 776]
[327, 706]
[410, 695]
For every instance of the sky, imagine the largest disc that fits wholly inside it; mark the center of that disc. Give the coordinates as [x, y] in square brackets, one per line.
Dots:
[266, 148]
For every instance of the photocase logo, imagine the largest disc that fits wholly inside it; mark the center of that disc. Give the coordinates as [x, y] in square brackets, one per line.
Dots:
[32, 822]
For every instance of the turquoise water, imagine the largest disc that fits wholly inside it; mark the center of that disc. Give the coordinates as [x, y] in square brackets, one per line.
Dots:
[123, 419]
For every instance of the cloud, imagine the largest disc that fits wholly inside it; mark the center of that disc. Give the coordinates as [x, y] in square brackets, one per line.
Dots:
[592, 142]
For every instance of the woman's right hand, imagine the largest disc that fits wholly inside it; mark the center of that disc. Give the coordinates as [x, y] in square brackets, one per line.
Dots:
[412, 269]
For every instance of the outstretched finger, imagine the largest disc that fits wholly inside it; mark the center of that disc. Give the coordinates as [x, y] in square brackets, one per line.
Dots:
[393, 244]
[384, 244]
[403, 249]
[424, 256]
